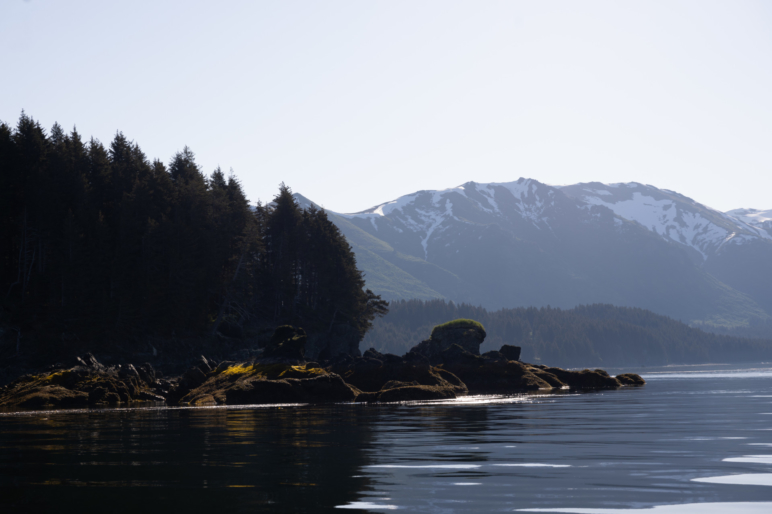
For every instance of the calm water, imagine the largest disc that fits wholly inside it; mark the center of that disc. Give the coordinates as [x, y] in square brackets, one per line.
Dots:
[686, 438]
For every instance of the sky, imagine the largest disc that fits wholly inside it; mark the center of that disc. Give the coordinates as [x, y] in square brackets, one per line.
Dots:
[354, 103]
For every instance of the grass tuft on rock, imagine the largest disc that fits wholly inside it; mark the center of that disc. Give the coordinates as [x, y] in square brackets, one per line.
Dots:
[459, 323]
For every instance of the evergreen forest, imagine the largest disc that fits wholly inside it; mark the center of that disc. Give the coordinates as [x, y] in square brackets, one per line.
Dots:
[102, 247]
[587, 335]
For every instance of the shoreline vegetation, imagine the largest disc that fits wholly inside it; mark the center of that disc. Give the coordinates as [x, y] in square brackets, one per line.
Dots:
[153, 266]
[445, 366]
[106, 251]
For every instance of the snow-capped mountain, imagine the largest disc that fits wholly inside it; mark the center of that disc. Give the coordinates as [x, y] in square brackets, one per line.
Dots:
[761, 220]
[426, 215]
[526, 243]
[671, 215]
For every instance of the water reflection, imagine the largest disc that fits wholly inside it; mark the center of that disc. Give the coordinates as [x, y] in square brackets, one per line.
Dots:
[674, 444]
[301, 459]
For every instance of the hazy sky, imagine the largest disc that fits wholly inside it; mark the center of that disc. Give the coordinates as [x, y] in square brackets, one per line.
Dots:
[353, 103]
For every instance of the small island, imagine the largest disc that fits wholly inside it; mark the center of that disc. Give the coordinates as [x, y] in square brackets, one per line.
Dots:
[445, 366]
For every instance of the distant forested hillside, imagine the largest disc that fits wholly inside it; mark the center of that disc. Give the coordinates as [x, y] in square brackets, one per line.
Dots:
[102, 246]
[592, 335]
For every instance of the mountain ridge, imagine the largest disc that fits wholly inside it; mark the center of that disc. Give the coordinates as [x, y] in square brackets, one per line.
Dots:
[523, 243]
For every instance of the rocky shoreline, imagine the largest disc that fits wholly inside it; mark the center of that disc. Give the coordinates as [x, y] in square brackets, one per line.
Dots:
[442, 367]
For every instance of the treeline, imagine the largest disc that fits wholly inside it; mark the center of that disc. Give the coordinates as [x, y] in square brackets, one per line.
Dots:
[101, 244]
[591, 335]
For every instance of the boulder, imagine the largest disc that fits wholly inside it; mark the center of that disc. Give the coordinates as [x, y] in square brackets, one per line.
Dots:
[493, 356]
[465, 333]
[630, 379]
[512, 353]
[585, 379]
[287, 343]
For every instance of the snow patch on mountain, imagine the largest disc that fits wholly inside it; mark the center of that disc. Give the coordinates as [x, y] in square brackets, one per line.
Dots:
[669, 214]
[755, 219]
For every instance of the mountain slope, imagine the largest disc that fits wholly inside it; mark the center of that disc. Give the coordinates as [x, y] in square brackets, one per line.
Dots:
[523, 243]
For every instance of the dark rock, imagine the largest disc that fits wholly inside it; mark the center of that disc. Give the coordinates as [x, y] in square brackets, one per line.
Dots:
[372, 353]
[193, 377]
[341, 359]
[390, 358]
[323, 388]
[371, 375]
[52, 396]
[128, 371]
[548, 377]
[631, 379]
[493, 356]
[585, 379]
[393, 384]
[113, 398]
[416, 393]
[512, 353]
[326, 388]
[146, 373]
[416, 359]
[468, 334]
[96, 395]
[92, 362]
[287, 342]
[487, 376]
[456, 354]
[150, 397]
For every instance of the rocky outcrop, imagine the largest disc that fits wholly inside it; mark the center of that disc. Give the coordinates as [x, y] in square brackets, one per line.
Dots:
[387, 377]
[87, 383]
[585, 379]
[630, 379]
[233, 383]
[327, 387]
[287, 342]
[464, 333]
[436, 369]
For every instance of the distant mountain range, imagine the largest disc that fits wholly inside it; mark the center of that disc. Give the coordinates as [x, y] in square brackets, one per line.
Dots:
[524, 243]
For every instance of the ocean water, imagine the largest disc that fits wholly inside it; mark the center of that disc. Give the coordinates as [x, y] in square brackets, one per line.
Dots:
[693, 440]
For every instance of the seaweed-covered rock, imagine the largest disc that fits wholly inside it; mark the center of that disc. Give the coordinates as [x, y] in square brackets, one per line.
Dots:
[585, 379]
[231, 375]
[88, 383]
[485, 376]
[372, 375]
[465, 333]
[415, 393]
[630, 379]
[323, 388]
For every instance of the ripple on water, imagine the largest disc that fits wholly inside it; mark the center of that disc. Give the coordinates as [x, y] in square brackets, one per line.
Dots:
[744, 479]
[751, 459]
[367, 506]
[686, 508]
